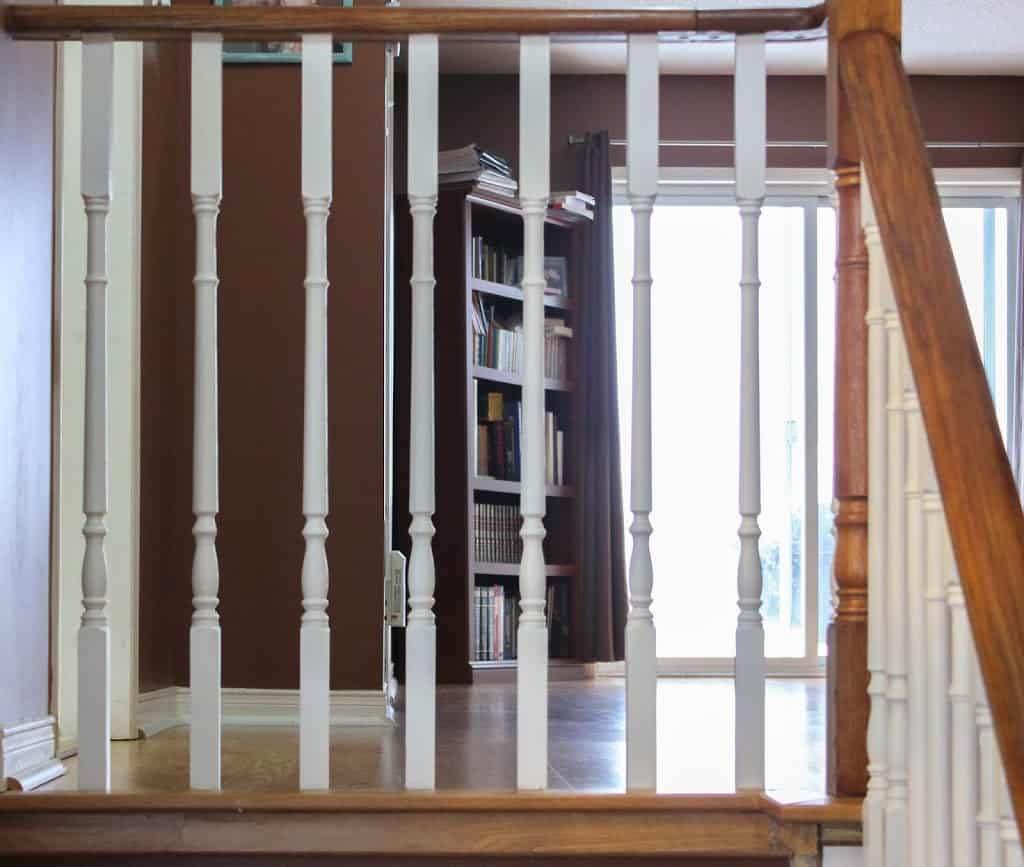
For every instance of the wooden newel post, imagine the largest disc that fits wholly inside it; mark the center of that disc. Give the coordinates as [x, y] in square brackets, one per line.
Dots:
[847, 633]
[847, 700]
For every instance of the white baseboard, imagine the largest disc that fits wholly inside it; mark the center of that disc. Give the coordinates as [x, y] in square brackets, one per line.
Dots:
[721, 667]
[172, 706]
[28, 755]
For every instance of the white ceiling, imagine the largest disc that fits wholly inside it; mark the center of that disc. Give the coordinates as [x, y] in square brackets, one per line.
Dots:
[940, 37]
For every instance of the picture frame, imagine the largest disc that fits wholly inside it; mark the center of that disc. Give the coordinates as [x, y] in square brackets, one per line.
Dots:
[556, 275]
[279, 52]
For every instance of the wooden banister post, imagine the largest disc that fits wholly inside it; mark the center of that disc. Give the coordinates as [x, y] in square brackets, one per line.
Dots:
[847, 693]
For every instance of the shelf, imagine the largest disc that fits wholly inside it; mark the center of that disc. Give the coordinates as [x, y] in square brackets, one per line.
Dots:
[551, 571]
[509, 205]
[489, 374]
[501, 486]
[502, 290]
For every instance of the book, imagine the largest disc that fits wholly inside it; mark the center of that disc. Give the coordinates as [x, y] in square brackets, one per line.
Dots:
[549, 447]
[569, 195]
[470, 157]
[484, 179]
[495, 623]
[581, 204]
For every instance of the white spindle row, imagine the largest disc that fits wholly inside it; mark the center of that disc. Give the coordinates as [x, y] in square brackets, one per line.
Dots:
[642, 80]
[204, 634]
[937, 796]
[532, 679]
[94, 633]
[751, 161]
[421, 633]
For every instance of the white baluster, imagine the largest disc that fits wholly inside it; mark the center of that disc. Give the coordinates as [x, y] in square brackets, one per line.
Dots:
[642, 83]
[421, 634]
[751, 137]
[990, 776]
[897, 830]
[534, 162]
[874, 803]
[938, 801]
[1012, 856]
[315, 635]
[94, 633]
[964, 744]
[917, 704]
[204, 635]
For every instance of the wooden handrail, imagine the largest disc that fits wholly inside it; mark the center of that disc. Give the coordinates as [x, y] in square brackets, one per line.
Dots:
[386, 23]
[982, 505]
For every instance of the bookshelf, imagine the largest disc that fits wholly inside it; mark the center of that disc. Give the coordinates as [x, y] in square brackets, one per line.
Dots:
[470, 503]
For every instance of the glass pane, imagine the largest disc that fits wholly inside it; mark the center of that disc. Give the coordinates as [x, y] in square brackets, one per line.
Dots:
[695, 370]
[826, 410]
[782, 429]
[979, 240]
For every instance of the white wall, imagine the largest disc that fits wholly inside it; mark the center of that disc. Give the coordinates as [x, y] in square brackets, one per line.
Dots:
[123, 395]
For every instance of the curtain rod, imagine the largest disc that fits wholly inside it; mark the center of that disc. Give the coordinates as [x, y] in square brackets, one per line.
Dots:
[814, 145]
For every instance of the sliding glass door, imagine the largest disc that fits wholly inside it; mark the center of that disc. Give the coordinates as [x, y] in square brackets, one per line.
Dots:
[696, 351]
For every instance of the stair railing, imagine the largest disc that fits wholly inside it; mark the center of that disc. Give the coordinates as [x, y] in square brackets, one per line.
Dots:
[98, 28]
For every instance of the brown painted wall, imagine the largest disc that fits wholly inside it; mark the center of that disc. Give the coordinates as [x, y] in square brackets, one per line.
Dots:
[261, 324]
[26, 290]
[484, 109]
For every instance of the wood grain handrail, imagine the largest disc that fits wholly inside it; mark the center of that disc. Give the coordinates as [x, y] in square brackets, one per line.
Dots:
[982, 505]
[64, 23]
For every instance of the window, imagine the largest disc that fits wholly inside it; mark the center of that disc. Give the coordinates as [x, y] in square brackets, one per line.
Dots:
[695, 369]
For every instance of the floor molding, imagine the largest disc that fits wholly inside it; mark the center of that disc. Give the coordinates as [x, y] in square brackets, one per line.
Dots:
[171, 706]
[720, 667]
[28, 755]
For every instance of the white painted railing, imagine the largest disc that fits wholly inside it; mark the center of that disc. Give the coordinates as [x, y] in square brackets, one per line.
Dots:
[641, 652]
[315, 637]
[534, 190]
[94, 633]
[532, 675]
[751, 159]
[937, 793]
[421, 634]
[204, 635]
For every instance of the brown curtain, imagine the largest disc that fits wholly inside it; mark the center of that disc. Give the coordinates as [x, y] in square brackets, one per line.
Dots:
[602, 564]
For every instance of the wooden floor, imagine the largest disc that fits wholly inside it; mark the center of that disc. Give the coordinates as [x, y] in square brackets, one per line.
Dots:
[476, 744]
[476, 818]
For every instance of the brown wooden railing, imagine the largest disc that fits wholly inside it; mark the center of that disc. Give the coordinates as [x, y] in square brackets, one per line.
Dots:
[389, 23]
[983, 509]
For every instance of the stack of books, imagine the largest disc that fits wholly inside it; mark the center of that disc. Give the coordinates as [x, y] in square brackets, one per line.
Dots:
[497, 340]
[554, 450]
[495, 264]
[472, 164]
[558, 620]
[496, 621]
[498, 442]
[496, 533]
[575, 202]
[556, 348]
[499, 422]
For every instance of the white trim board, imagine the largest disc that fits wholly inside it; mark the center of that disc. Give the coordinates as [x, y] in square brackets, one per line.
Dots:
[698, 182]
[171, 706]
[28, 755]
[721, 667]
